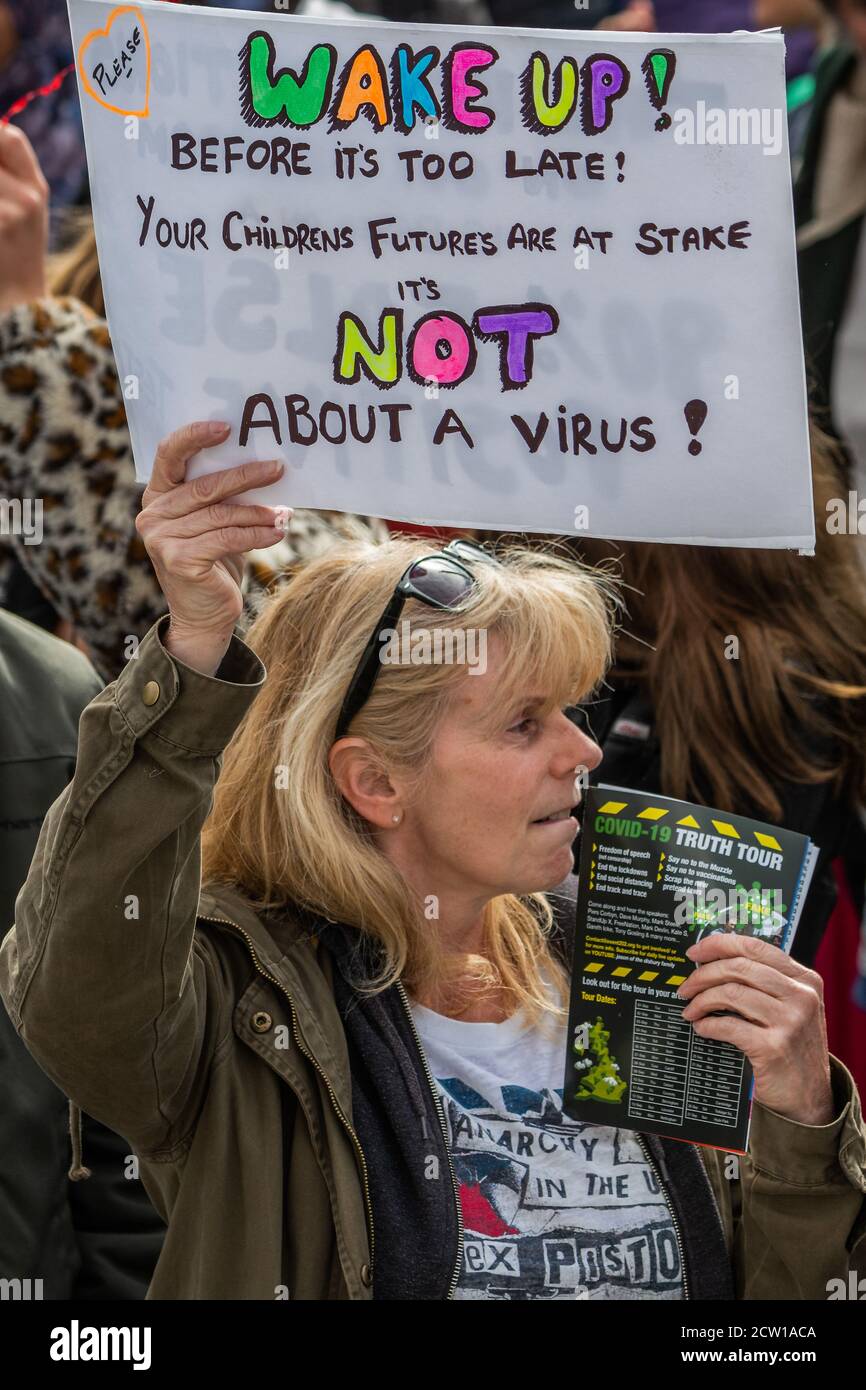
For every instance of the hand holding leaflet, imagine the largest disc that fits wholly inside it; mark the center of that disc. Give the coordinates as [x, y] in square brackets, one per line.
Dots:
[777, 1020]
[682, 904]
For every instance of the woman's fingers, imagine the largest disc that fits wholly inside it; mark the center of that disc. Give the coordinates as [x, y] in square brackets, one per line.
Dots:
[210, 488]
[755, 979]
[184, 498]
[215, 487]
[724, 945]
[740, 1032]
[777, 1020]
[167, 488]
[231, 540]
[741, 970]
[221, 514]
[198, 539]
[176, 450]
[751, 1004]
[183, 556]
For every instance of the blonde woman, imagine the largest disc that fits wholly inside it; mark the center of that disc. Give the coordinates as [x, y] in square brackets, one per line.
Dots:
[332, 1024]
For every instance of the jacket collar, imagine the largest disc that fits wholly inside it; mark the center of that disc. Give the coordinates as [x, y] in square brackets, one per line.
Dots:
[222, 903]
[283, 948]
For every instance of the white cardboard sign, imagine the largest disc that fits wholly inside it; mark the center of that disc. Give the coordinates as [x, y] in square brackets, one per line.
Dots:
[498, 278]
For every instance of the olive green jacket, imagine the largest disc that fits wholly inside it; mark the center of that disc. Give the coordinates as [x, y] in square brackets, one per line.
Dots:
[169, 1012]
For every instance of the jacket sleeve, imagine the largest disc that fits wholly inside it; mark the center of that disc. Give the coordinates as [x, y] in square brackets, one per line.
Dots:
[102, 973]
[799, 1207]
[64, 439]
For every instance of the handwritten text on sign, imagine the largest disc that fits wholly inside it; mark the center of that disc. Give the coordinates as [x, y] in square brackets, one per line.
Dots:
[481, 277]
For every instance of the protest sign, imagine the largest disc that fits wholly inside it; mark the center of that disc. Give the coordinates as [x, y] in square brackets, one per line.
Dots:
[491, 278]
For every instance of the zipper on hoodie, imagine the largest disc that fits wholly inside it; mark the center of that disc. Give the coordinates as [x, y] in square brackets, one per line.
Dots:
[223, 922]
[676, 1225]
[442, 1121]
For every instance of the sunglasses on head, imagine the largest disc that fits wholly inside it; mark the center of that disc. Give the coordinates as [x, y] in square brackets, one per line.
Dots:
[441, 581]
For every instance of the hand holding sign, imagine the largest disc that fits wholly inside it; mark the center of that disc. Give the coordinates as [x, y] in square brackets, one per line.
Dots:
[197, 539]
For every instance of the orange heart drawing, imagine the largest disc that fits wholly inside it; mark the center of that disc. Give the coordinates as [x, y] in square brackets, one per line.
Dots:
[104, 34]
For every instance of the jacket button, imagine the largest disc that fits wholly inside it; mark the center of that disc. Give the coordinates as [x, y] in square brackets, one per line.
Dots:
[262, 1022]
[150, 693]
[366, 1276]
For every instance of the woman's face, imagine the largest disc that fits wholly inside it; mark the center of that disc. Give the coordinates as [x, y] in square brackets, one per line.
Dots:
[480, 826]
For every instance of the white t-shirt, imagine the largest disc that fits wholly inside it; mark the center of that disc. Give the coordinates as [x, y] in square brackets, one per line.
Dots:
[551, 1208]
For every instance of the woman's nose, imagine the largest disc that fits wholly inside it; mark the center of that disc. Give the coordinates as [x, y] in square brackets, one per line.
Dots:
[590, 753]
[578, 749]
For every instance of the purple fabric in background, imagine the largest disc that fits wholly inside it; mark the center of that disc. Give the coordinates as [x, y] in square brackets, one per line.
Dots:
[721, 17]
[704, 16]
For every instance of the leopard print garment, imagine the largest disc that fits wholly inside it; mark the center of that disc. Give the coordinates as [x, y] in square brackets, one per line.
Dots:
[64, 439]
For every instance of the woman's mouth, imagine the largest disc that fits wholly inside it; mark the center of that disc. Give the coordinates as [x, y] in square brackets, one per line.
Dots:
[563, 817]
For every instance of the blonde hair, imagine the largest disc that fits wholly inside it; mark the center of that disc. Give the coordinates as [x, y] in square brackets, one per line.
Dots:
[302, 843]
[74, 271]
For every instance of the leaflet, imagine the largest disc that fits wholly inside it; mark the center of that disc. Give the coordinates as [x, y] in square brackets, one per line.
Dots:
[657, 875]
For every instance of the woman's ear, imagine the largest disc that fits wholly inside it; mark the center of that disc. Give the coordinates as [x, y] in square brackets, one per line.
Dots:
[364, 783]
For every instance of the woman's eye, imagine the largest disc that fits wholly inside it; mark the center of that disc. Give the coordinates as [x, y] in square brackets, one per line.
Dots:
[523, 726]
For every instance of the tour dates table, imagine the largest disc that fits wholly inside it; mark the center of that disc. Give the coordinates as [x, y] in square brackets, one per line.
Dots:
[678, 1076]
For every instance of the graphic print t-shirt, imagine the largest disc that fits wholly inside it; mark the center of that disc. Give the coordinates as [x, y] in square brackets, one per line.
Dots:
[552, 1208]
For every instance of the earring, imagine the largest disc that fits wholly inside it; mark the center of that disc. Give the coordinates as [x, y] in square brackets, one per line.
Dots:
[397, 818]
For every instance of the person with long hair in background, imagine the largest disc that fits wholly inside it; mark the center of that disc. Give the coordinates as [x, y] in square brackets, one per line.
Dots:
[739, 681]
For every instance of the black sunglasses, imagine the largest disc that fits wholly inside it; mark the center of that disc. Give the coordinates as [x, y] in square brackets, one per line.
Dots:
[441, 582]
